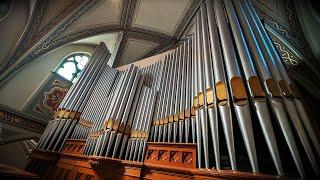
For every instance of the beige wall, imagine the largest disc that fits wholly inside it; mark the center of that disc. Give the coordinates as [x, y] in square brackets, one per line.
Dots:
[17, 91]
[12, 27]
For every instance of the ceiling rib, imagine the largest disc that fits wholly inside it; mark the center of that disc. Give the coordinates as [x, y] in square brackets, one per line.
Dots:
[125, 25]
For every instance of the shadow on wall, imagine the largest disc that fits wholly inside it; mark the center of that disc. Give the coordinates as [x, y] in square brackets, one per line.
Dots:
[12, 154]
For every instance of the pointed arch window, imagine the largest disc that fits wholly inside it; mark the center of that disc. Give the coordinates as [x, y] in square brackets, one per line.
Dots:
[70, 67]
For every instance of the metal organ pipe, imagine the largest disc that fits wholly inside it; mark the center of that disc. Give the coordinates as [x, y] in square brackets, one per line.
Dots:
[209, 91]
[227, 67]
[253, 83]
[222, 92]
[290, 86]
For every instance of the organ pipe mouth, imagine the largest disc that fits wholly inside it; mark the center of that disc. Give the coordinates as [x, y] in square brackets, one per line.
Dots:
[201, 100]
[195, 102]
[66, 114]
[164, 120]
[221, 93]
[85, 123]
[74, 115]
[128, 130]
[115, 125]
[176, 117]
[171, 118]
[272, 88]
[187, 113]
[238, 91]
[108, 124]
[285, 89]
[193, 111]
[210, 98]
[182, 115]
[256, 88]
[61, 113]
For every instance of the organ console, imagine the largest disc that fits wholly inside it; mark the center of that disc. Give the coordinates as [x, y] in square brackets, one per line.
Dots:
[185, 107]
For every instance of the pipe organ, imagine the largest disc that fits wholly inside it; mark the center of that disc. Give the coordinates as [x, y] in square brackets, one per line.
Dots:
[226, 76]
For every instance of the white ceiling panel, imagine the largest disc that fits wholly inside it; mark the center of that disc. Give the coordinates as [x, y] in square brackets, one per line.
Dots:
[135, 49]
[106, 13]
[109, 39]
[160, 15]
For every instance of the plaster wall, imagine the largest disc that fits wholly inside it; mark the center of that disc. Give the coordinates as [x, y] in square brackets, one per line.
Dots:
[12, 27]
[17, 91]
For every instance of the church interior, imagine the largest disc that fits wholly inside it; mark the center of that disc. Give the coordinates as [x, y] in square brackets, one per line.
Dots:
[159, 89]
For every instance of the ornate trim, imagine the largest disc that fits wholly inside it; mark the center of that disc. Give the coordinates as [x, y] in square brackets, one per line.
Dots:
[37, 34]
[54, 39]
[171, 154]
[17, 119]
[35, 19]
[294, 34]
[50, 40]
[73, 146]
[298, 67]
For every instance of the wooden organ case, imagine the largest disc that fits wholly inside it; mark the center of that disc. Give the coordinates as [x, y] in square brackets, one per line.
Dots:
[220, 105]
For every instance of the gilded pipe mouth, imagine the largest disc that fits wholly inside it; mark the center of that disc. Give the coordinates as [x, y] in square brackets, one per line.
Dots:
[285, 89]
[181, 115]
[187, 113]
[256, 88]
[193, 112]
[66, 114]
[163, 121]
[221, 93]
[239, 93]
[85, 123]
[176, 117]
[272, 88]
[201, 100]
[115, 125]
[210, 98]
[171, 118]
[195, 102]
[108, 124]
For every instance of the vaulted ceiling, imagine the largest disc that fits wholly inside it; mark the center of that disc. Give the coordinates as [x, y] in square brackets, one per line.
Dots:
[132, 29]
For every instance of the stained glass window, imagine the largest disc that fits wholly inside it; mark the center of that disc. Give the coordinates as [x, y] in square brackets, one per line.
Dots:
[71, 67]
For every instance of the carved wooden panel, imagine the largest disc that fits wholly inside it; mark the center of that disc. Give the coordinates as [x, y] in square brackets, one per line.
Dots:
[163, 161]
[74, 146]
[42, 162]
[171, 154]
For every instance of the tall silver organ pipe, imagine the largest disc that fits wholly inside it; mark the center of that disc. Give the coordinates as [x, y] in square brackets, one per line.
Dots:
[222, 89]
[70, 109]
[253, 84]
[291, 86]
[222, 92]
[286, 93]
